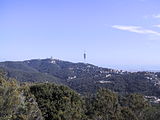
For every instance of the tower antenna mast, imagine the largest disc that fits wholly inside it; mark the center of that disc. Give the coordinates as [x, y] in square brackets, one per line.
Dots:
[84, 56]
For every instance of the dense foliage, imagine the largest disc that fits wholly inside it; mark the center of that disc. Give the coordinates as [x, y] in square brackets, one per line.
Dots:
[106, 105]
[16, 102]
[46, 101]
[58, 102]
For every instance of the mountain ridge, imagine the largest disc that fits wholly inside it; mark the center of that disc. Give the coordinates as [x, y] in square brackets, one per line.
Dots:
[83, 77]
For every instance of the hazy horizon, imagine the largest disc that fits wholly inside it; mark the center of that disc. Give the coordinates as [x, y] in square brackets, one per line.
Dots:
[115, 34]
[130, 68]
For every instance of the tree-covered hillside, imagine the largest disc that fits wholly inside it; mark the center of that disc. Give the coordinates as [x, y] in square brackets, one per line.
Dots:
[82, 77]
[48, 101]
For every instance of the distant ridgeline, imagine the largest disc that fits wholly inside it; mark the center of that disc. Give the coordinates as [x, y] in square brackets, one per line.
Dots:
[84, 78]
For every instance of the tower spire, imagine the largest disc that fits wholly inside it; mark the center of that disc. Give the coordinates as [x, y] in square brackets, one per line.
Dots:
[84, 56]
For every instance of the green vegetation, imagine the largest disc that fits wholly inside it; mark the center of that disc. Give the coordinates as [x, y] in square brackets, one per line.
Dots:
[152, 113]
[46, 101]
[16, 102]
[83, 78]
[106, 105]
[58, 102]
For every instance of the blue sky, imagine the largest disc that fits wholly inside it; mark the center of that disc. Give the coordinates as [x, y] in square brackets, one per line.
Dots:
[122, 34]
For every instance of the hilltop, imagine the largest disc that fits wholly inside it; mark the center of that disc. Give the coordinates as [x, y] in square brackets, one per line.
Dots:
[83, 77]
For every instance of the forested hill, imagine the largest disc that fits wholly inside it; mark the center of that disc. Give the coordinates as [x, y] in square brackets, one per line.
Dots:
[48, 101]
[83, 77]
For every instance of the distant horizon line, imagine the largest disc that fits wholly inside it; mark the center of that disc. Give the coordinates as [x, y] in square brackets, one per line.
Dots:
[129, 68]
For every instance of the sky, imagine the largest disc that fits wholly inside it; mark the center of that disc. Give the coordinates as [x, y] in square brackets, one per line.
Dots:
[120, 34]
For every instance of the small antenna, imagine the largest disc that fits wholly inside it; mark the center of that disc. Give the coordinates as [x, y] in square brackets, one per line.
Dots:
[84, 56]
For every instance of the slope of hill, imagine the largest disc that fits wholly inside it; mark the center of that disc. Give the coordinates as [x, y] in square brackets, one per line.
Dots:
[48, 101]
[84, 78]
[24, 73]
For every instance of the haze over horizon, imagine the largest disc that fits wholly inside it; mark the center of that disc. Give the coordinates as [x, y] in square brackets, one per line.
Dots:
[121, 35]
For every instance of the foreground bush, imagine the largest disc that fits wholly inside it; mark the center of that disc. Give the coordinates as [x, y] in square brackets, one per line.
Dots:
[58, 102]
[16, 102]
